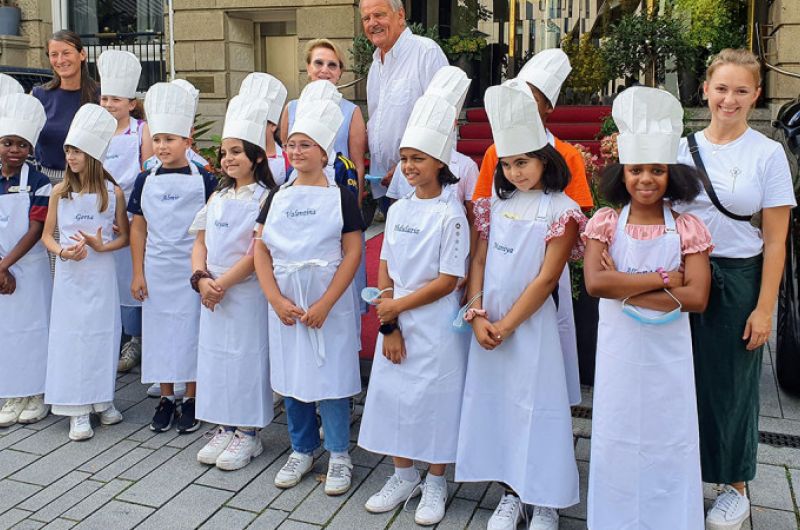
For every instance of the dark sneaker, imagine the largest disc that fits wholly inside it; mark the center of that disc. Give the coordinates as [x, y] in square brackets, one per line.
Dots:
[186, 421]
[165, 412]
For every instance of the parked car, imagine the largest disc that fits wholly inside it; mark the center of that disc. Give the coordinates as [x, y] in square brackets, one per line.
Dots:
[28, 77]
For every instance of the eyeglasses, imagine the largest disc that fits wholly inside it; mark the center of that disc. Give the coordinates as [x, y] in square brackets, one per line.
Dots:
[331, 65]
[301, 147]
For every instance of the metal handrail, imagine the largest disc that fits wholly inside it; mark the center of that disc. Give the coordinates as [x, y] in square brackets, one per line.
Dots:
[762, 56]
[351, 83]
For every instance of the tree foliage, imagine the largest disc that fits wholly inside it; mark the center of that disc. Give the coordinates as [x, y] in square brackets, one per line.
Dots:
[589, 70]
[643, 42]
[713, 24]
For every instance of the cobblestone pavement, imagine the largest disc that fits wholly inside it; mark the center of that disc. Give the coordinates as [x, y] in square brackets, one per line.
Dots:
[129, 477]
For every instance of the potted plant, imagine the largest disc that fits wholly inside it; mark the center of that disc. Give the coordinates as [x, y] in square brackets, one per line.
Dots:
[10, 16]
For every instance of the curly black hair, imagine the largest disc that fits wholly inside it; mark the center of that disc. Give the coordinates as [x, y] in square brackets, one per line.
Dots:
[683, 184]
[556, 174]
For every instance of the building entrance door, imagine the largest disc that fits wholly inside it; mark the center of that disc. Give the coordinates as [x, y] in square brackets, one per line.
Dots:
[281, 60]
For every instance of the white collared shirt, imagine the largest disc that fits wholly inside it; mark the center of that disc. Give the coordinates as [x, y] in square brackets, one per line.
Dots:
[244, 193]
[393, 85]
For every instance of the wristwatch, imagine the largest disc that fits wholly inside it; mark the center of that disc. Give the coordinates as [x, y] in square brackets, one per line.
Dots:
[389, 327]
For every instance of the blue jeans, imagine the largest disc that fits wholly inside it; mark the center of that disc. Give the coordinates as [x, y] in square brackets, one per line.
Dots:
[303, 429]
[131, 321]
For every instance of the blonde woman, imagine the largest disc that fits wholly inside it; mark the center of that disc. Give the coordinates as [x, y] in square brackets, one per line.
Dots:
[745, 204]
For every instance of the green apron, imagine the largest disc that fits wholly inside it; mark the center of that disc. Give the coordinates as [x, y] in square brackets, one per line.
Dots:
[726, 374]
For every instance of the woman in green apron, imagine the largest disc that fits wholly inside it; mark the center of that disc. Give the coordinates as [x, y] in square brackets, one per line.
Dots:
[745, 204]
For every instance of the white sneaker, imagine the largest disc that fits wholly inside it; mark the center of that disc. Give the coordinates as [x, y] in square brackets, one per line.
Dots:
[729, 510]
[240, 451]
[293, 470]
[154, 390]
[395, 492]
[340, 473]
[431, 507]
[35, 410]
[12, 408]
[218, 442]
[130, 355]
[110, 416]
[544, 519]
[80, 428]
[507, 514]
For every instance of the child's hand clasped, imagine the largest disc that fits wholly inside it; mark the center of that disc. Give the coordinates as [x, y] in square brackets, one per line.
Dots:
[95, 242]
[287, 312]
[388, 309]
[211, 293]
[486, 333]
[75, 252]
[316, 315]
[394, 347]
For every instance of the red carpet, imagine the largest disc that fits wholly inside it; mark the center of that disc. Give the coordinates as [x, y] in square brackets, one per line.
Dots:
[369, 321]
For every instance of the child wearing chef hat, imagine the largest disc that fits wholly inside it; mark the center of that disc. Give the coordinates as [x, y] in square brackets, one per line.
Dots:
[85, 323]
[307, 251]
[273, 93]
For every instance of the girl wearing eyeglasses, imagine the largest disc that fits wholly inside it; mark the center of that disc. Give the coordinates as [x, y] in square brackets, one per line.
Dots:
[307, 250]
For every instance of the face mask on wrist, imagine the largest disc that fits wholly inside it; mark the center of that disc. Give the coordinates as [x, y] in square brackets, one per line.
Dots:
[664, 318]
[371, 294]
[459, 324]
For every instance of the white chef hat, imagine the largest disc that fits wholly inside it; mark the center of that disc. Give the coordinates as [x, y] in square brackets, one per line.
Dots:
[119, 73]
[190, 88]
[514, 117]
[650, 123]
[319, 120]
[266, 87]
[451, 84]
[547, 71]
[169, 109]
[9, 85]
[430, 126]
[21, 115]
[91, 130]
[321, 89]
[246, 119]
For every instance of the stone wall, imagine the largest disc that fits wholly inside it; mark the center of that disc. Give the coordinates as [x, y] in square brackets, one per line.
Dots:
[28, 50]
[783, 51]
[217, 42]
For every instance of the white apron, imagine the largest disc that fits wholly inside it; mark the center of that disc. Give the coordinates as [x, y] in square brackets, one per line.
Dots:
[303, 232]
[24, 315]
[277, 166]
[122, 161]
[645, 459]
[233, 364]
[567, 337]
[85, 324]
[516, 425]
[171, 312]
[413, 408]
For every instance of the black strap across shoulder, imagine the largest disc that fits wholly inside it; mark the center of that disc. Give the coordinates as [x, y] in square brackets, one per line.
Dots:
[701, 169]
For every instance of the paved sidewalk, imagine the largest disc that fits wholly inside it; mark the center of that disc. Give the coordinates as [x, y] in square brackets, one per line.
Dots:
[126, 477]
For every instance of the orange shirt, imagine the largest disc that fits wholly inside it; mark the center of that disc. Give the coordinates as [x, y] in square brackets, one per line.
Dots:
[577, 189]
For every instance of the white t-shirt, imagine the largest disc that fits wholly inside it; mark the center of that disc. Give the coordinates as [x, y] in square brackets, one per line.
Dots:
[462, 166]
[749, 174]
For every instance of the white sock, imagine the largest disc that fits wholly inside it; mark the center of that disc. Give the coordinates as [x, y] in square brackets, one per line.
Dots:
[171, 398]
[409, 474]
[338, 454]
[435, 479]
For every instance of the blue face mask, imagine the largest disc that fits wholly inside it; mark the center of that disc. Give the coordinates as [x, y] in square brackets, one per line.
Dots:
[664, 318]
[371, 294]
[459, 324]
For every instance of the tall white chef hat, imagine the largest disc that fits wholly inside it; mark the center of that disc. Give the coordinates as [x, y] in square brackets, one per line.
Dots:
[169, 109]
[190, 88]
[514, 117]
[246, 119]
[119, 73]
[91, 130]
[9, 85]
[21, 115]
[547, 71]
[321, 89]
[650, 123]
[319, 120]
[451, 84]
[430, 126]
[266, 87]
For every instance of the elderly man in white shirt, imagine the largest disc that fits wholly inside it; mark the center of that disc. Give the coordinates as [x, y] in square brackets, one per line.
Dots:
[402, 67]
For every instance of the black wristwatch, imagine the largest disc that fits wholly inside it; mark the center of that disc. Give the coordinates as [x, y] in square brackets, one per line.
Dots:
[388, 328]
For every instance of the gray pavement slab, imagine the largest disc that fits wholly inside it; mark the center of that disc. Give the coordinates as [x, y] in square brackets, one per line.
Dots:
[187, 510]
[229, 519]
[268, 520]
[53, 491]
[66, 501]
[12, 493]
[96, 500]
[116, 515]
